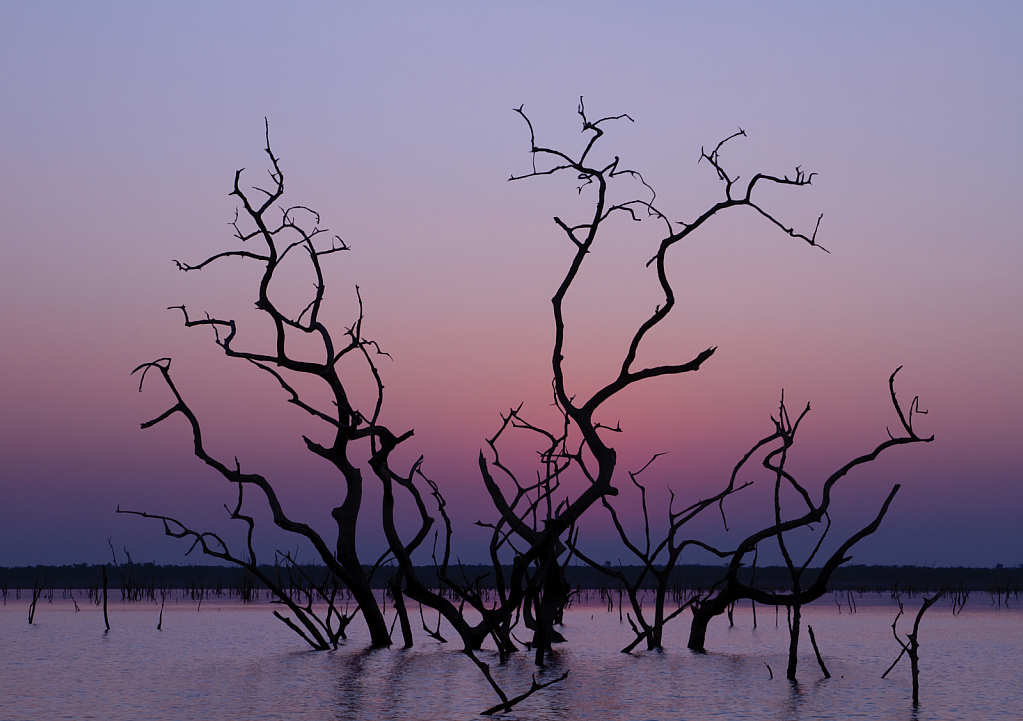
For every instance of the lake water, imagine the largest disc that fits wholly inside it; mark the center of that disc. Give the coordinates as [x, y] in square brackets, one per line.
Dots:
[225, 660]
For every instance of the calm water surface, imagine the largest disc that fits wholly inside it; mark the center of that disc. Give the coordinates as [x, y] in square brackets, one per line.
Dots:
[225, 660]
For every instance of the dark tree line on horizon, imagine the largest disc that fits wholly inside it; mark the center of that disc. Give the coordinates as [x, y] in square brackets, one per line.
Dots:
[859, 579]
[536, 506]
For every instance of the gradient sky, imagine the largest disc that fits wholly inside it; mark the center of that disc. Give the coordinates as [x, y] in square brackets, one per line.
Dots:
[122, 125]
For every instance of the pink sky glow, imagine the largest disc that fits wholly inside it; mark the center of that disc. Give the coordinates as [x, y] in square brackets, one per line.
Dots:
[123, 125]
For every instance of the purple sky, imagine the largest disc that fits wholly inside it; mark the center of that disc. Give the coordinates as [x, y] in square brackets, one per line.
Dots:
[123, 124]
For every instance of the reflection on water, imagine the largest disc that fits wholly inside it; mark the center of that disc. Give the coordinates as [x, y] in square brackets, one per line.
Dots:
[230, 661]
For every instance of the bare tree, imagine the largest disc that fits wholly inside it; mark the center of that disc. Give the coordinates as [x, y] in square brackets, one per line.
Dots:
[670, 547]
[582, 445]
[280, 234]
[357, 438]
[534, 532]
[731, 589]
[37, 591]
[911, 646]
[321, 630]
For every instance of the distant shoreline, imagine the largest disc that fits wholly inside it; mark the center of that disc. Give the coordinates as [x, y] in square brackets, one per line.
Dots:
[859, 578]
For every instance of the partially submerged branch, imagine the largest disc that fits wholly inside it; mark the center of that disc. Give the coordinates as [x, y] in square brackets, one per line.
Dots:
[581, 448]
[731, 589]
[911, 646]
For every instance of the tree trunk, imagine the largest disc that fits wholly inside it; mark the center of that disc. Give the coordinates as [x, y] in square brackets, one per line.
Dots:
[551, 606]
[793, 643]
[346, 516]
[702, 615]
[698, 630]
[654, 638]
[399, 607]
[379, 635]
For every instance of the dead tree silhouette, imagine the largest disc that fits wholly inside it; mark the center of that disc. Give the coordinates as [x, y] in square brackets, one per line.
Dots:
[282, 233]
[730, 589]
[534, 527]
[911, 645]
[357, 439]
[660, 561]
[581, 446]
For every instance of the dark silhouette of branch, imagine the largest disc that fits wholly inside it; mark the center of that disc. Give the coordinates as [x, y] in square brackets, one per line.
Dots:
[37, 591]
[817, 652]
[661, 570]
[357, 439]
[911, 646]
[507, 703]
[317, 631]
[280, 232]
[580, 447]
[534, 528]
[731, 589]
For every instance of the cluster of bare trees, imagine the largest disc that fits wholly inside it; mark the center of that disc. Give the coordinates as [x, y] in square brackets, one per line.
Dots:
[534, 524]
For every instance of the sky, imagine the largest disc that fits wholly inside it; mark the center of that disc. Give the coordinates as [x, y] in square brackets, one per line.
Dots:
[123, 125]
